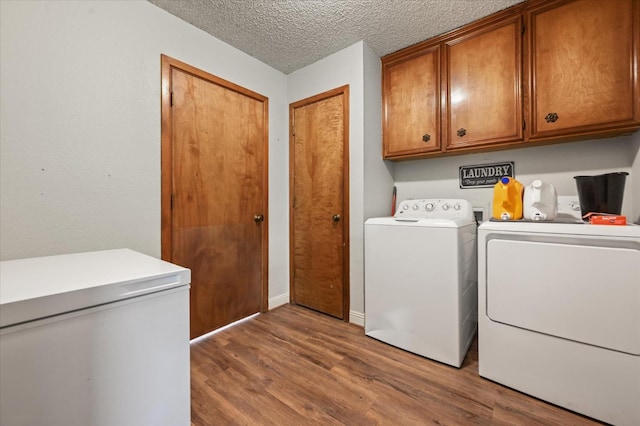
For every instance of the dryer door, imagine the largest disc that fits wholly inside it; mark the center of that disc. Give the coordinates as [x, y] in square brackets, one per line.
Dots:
[585, 293]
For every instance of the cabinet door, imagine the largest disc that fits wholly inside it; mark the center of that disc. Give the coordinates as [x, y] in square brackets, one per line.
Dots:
[582, 57]
[411, 98]
[483, 91]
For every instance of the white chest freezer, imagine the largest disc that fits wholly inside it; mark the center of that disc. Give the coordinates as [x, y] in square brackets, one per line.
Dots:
[99, 338]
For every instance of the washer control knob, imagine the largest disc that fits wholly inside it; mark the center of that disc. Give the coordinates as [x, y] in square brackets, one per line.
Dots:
[416, 207]
[456, 207]
[429, 207]
[445, 207]
[405, 206]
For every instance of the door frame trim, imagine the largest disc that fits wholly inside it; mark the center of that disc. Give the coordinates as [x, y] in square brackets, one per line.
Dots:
[167, 64]
[342, 90]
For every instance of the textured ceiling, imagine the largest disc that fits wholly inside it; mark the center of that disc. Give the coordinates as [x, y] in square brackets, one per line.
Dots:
[290, 34]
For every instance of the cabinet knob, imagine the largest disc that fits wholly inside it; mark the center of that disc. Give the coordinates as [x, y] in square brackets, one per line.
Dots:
[552, 117]
[258, 218]
[462, 132]
[336, 218]
[426, 137]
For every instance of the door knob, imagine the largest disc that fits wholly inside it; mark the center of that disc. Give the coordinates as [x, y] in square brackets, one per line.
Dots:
[336, 218]
[258, 218]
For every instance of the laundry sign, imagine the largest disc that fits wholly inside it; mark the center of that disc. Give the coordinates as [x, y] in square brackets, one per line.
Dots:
[484, 175]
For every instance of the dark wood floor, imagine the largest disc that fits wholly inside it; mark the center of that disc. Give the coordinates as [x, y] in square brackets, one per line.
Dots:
[293, 366]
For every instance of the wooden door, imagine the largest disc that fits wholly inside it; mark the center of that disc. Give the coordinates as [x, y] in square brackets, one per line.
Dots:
[582, 63]
[411, 102]
[319, 225]
[214, 192]
[483, 90]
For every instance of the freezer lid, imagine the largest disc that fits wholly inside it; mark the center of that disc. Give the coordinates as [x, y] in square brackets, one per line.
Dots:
[41, 287]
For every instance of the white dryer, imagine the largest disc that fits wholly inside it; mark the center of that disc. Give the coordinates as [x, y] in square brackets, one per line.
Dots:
[420, 278]
[559, 314]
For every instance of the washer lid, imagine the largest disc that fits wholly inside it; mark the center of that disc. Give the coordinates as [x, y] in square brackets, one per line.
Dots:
[40, 287]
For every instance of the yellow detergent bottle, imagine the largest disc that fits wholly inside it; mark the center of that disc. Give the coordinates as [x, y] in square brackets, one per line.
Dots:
[507, 199]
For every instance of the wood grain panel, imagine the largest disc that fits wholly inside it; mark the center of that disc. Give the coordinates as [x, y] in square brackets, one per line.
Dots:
[318, 156]
[217, 184]
[484, 86]
[582, 56]
[411, 103]
[294, 366]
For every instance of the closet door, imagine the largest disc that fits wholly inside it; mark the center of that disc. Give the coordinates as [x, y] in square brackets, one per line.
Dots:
[215, 194]
[319, 175]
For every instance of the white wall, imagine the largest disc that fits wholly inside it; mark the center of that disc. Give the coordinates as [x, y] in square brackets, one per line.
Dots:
[378, 174]
[556, 164]
[80, 125]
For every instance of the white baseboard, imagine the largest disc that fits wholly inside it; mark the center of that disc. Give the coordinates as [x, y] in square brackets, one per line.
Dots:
[356, 318]
[279, 300]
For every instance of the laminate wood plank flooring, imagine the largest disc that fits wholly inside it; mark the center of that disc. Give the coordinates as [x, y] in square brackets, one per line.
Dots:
[295, 366]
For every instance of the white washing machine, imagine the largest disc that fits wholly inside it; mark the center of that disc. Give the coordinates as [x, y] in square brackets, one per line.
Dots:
[559, 314]
[420, 278]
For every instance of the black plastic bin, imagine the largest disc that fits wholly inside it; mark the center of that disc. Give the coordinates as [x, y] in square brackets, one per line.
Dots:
[601, 193]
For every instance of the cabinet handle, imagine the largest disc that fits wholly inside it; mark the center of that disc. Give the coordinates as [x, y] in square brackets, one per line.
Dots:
[462, 132]
[552, 117]
[426, 137]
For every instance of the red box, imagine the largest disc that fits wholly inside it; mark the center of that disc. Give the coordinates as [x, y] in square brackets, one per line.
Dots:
[608, 220]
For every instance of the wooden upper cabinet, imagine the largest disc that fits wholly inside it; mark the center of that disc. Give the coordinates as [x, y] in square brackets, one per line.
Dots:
[483, 88]
[583, 65]
[411, 102]
[541, 71]
[458, 92]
